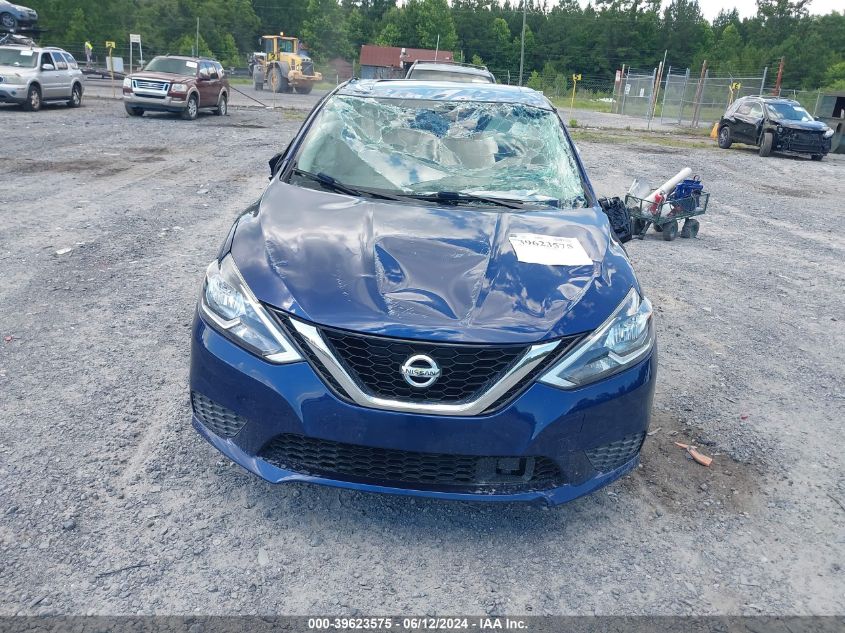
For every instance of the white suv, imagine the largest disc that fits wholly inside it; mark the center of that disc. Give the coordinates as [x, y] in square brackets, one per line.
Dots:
[32, 76]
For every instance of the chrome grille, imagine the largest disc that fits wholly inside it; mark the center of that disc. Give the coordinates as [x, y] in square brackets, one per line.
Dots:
[154, 86]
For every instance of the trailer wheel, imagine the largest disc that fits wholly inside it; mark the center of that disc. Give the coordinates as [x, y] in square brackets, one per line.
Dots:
[657, 227]
[670, 230]
[690, 228]
[639, 227]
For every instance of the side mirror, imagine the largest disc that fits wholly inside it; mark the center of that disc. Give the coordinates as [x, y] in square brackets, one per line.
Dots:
[47, 67]
[275, 163]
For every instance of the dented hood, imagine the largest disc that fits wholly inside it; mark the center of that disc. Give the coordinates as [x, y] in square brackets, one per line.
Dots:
[445, 273]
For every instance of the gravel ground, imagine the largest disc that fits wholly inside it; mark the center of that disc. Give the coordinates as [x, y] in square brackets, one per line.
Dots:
[111, 504]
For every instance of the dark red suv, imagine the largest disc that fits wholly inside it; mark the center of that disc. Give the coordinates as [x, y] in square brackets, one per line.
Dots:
[172, 83]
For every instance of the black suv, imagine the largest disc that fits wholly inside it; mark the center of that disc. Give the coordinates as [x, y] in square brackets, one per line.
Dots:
[774, 124]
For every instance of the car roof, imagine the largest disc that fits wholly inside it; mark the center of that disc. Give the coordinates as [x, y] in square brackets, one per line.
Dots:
[29, 47]
[770, 98]
[188, 58]
[452, 68]
[444, 91]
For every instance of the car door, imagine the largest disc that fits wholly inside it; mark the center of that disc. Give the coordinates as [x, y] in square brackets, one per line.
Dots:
[48, 77]
[744, 124]
[63, 72]
[205, 85]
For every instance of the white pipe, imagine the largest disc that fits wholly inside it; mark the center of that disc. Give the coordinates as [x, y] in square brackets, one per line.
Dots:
[667, 187]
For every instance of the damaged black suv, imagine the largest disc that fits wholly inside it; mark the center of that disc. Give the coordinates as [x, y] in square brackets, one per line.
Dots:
[774, 124]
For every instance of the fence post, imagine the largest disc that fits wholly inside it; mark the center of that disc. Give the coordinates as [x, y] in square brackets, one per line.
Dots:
[698, 91]
[816, 107]
[763, 83]
[665, 90]
[624, 91]
[683, 96]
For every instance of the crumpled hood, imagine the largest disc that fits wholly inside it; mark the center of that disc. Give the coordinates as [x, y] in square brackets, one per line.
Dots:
[446, 273]
[807, 126]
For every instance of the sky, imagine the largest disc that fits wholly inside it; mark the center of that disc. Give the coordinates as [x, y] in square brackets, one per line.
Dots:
[747, 8]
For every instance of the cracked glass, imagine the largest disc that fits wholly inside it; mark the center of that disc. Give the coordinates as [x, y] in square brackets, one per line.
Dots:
[425, 147]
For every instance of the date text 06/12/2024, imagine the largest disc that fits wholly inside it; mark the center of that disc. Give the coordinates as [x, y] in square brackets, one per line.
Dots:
[416, 624]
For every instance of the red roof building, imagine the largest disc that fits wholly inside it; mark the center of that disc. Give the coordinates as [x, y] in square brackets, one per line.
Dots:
[381, 62]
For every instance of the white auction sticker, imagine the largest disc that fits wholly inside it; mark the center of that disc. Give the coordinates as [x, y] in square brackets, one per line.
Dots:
[549, 250]
[191, 64]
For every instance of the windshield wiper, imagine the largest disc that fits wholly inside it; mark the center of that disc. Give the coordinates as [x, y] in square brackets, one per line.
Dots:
[333, 185]
[456, 197]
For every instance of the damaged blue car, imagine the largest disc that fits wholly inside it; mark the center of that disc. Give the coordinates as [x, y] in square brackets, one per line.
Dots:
[426, 300]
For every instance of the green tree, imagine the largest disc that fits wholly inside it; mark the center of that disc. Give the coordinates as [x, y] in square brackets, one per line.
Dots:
[324, 30]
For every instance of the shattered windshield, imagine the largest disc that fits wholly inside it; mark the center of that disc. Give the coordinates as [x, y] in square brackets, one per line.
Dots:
[424, 147]
[788, 112]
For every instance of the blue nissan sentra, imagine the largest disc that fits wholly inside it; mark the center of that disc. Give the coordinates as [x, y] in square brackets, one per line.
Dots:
[426, 300]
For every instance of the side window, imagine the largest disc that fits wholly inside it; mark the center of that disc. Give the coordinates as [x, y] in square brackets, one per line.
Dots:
[61, 64]
[212, 70]
[205, 69]
[745, 109]
[756, 111]
[71, 61]
[46, 58]
[219, 68]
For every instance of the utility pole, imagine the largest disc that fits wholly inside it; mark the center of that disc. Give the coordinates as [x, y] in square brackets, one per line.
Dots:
[522, 46]
[198, 36]
[780, 76]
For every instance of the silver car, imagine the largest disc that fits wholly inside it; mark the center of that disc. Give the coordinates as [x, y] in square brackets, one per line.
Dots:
[31, 76]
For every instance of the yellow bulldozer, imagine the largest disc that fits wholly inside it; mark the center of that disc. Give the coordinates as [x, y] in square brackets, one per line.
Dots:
[283, 65]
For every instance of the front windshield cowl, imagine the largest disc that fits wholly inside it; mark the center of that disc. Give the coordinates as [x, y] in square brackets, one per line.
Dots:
[419, 147]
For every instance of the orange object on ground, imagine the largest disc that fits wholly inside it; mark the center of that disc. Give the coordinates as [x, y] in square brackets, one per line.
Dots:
[701, 458]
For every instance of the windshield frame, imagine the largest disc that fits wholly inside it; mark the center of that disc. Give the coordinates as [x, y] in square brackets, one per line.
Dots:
[184, 62]
[773, 112]
[34, 56]
[290, 157]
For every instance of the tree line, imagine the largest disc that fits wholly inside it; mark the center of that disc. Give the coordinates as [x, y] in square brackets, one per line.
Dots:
[561, 38]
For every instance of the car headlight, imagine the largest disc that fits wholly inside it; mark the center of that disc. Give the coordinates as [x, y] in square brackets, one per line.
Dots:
[624, 339]
[229, 305]
[127, 82]
[179, 88]
[828, 133]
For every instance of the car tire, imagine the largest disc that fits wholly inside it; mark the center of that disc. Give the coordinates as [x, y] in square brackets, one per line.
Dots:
[304, 90]
[670, 230]
[766, 144]
[33, 99]
[725, 140]
[222, 108]
[817, 156]
[690, 229]
[75, 96]
[192, 108]
[9, 22]
[133, 111]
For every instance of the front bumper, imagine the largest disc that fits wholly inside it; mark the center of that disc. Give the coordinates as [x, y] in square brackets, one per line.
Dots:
[571, 429]
[161, 104]
[13, 93]
[296, 77]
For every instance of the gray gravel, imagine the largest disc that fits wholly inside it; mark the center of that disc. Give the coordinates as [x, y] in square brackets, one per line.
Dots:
[111, 504]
